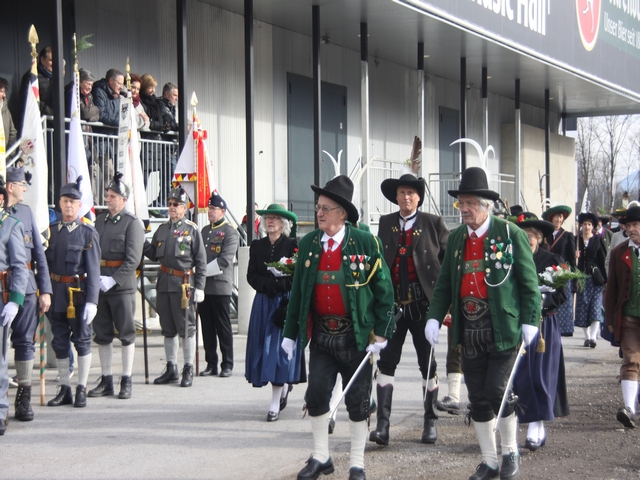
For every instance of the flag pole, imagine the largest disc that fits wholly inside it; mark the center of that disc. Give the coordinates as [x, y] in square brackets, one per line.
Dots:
[194, 103]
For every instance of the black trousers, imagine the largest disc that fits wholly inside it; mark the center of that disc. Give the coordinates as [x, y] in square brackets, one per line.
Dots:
[216, 325]
[390, 356]
[324, 366]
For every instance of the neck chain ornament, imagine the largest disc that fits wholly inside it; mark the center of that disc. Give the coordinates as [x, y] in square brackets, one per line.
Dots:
[503, 253]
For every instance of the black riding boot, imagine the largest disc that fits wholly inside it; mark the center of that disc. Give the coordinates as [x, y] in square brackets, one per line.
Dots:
[381, 434]
[430, 433]
[24, 412]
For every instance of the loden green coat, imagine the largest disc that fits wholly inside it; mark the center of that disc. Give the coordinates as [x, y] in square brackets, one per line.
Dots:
[371, 305]
[512, 304]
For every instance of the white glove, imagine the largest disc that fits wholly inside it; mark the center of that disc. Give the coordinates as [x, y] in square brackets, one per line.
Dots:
[528, 333]
[276, 272]
[9, 313]
[199, 295]
[90, 310]
[546, 289]
[432, 330]
[106, 283]
[376, 347]
[288, 346]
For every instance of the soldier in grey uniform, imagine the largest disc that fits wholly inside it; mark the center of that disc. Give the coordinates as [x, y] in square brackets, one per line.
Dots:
[178, 246]
[74, 265]
[221, 244]
[26, 322]
[14, 275]
[121, 241]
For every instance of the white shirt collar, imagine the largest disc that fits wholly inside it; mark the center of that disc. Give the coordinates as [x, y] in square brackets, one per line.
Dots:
[482, 229]
[337, 238]
[409, 223]
[633, 244]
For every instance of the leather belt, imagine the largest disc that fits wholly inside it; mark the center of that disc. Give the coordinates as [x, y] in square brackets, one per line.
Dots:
[334, 324]
[111, 263]
[67, 278]
[174, 272]
[415, 293]
[29, 265]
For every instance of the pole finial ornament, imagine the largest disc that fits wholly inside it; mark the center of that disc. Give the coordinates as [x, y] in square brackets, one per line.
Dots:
[33, 40]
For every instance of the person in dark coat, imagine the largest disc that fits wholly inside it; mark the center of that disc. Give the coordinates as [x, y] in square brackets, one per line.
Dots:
[45, 77]
[563, 243]
[265, 361]
[540, 382]
[106, 96]
[591, 255]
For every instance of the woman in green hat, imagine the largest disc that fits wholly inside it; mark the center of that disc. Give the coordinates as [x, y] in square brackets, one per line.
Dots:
[562, 243]
[266, 362]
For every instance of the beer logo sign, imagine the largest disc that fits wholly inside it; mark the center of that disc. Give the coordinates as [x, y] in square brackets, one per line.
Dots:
[588, 12]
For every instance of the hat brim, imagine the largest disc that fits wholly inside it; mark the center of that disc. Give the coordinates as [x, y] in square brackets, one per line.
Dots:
[390, 186]
[490, 194]
[280, 213]
[590, 217]
[563, 209]
[545, 227]
[352, 211]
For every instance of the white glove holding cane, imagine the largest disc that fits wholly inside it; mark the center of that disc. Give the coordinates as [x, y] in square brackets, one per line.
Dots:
[289, 346]
[90, 310]
[528, 333]
[9, 312]
[199, 296]
[432, 330]
[376, 347]
[106, 283]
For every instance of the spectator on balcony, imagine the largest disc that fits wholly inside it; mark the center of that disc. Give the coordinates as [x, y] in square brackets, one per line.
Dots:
[142, 119]
[88, 110]
[106, 96]
[45, 75]
[150, 105]
[10, 132]
[168, 106]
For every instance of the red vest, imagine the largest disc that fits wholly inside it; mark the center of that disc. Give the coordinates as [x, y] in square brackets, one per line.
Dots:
[473, 284]
[328, 298]
[395, 270]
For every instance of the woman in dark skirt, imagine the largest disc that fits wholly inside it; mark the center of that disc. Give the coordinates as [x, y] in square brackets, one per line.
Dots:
[562, 243]
[266, 362]
[591, 254]
[540, 381]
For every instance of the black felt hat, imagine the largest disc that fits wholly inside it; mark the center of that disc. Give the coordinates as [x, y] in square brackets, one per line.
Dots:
[72, 189]
[474, 182]
[604, 219]
[179, 194]
[516, 210]
[530, 220]
[118, 186]
[340, 190]
[217, 201]
[390, 186]
[632, 215]
[589, 217]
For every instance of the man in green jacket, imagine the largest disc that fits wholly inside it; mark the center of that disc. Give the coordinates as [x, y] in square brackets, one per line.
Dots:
[342, 302]
[489, 281]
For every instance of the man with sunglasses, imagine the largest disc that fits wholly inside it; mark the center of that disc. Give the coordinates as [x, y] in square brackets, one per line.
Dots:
[25, 324]
[177, 245]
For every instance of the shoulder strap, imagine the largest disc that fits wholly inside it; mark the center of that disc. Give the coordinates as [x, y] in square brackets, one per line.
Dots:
[556, 240]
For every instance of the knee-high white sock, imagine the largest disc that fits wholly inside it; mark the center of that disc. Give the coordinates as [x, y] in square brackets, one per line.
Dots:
[508, 428]
[171, 349]
[63, 370]
[320, 437]
[24, 369]
[487, 442]
[189, 349]
[359, 432]
[84, 364]
[593, 330]
[285, 390]
[128, 353]
[276, 394]
[431, 384]
[541, 430]
[453, 381]
[385, 379]
[586, 333]
[532, 432]
[629, 393]
[106, 356]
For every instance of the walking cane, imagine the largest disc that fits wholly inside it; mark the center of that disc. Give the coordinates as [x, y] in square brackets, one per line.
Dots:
[197, 348]
[42, 365]
[367, 358]
[144, 324]
[426, 388]
[505, 396]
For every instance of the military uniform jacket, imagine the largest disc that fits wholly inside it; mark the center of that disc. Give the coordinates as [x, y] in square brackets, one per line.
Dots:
[220, 242]
[179, 246]
[515, 302]
[370, 305]
[13, 256]
[70, 253]
[430, 236]
[121, 238]
[35, 250]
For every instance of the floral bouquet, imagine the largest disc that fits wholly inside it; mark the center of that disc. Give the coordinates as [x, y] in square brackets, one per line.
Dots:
[285, 266]
[557, 276]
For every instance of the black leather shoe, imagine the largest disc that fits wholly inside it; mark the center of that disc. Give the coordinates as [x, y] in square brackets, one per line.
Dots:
[226, 372]
[187, 375]
[3, 426]
[447, 404]
[169, 375]
[283, 400]
[125, 387]
[626, 418]
[81, 397]
[24, 412]
[587, 343]
[534, 445]
[484, 472]
[357, 473]
[64, 397]
[592, 343]
[210, 371]
[430, 432]
[273, 416]
[314, 469]
[104, 388]
[510, 466]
